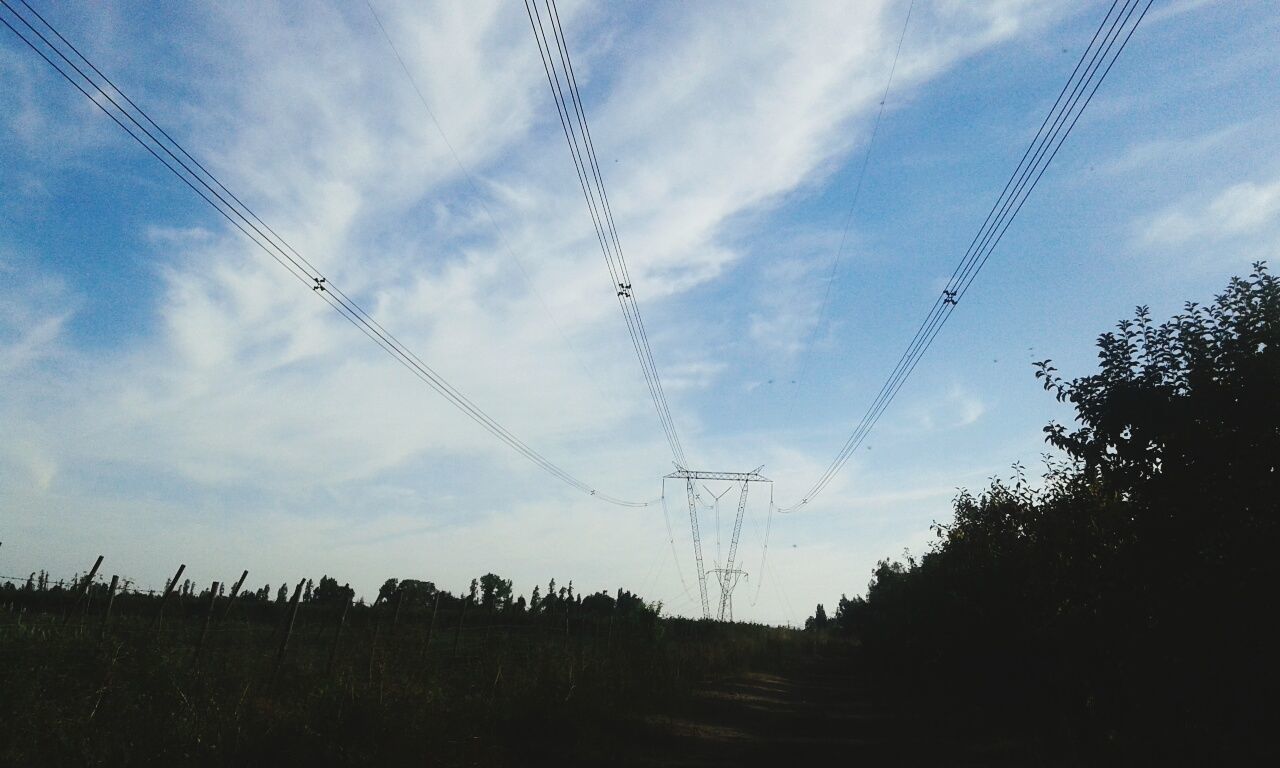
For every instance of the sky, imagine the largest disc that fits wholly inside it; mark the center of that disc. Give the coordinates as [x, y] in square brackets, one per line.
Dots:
[169, 395]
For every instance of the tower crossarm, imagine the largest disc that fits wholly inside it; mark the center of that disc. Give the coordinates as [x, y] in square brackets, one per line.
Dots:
[753, 476]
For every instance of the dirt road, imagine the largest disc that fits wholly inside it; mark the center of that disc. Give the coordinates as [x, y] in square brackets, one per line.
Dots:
[819, 713]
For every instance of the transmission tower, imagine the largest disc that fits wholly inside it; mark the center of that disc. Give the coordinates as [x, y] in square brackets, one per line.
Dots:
[716, 503]
[728, 580]
[726, 574]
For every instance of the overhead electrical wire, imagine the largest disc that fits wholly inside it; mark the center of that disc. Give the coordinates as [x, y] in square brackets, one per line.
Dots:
[573, 122]
[764, 550]
[666, 517]
[480, 199]
[848, 221]
[1057, 125]
[205, 184]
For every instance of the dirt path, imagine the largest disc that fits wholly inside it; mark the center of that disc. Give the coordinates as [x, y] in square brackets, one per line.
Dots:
[760, 719]
[814, 714]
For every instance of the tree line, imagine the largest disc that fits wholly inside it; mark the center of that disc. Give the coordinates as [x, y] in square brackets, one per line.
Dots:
[1120, 607]
[489, 592]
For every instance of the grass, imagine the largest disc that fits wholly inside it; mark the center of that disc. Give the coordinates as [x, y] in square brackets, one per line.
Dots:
[499, 688]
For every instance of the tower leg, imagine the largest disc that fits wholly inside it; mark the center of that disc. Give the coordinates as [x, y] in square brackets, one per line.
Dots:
[697, 549]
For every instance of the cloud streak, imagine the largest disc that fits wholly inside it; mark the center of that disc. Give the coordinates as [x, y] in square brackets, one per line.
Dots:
[246, 415]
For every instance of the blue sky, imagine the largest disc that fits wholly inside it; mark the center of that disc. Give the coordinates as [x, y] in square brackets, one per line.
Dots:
[169, 395]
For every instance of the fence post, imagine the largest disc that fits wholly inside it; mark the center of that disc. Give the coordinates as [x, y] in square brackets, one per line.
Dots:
[208, 618]
[395, 612]
[235, 591]
[111, 599]
[168, 590]
[373, 644]
[431, 628]
[83, 590]
[488, 627]
[457, 634]
[337, 637]
[608, 641]
[288, 629]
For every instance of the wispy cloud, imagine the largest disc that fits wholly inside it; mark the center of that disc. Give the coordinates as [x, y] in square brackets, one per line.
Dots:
[956, 408]
[1246, 208]
[244, 399]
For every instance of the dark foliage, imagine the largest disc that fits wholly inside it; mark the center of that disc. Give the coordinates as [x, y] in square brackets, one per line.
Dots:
[405, 681]
[1121, 610]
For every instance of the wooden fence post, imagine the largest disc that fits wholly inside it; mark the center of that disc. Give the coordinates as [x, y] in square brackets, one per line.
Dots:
[488, 627]
[337, 637]
[208, 619]
[83, 590]
[395, 612]
[431, 628]
[457, 634]
[377, 630]
[288, 629]
[111, 599]
[168, 590]
[235, 591]
[608, 641]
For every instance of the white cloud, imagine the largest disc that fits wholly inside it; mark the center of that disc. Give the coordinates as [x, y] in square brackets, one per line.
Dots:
[260, 427]
[956, 408]
[1245, 208]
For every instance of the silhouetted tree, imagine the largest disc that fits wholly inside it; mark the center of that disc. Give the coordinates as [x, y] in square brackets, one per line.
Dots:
[495, 591]
[818, 620]
[328, 592]
[387, 590]
[1125, 592]
[417, 593]
[599, 603]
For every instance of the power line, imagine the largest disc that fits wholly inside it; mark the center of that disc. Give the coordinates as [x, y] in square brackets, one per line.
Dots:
[212, 191]
[764, 551]
[577, 133]
[626, 292]
[962, 276]
[848, 221]
[1061, 119]
[475, 190]
[666, 516]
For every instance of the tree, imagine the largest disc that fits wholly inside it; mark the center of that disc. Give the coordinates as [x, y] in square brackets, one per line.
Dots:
[494, 590]
[387, 590]
[417, 593]
[535, 600]
[1123, 597]
[818, 620]
[600, 603]
[283, 594]
[327, 592]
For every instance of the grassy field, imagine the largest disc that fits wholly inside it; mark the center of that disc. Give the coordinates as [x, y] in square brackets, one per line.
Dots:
[466, 685]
